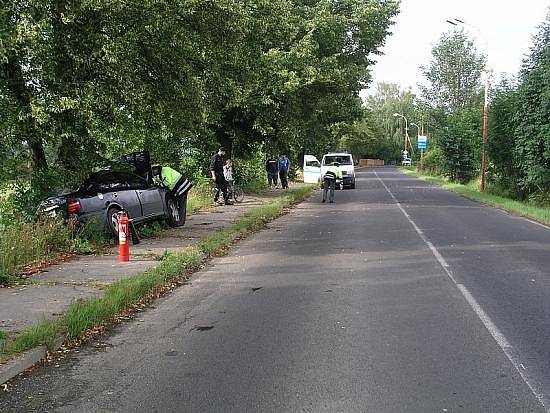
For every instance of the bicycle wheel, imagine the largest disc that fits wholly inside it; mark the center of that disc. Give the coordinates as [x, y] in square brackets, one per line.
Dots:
[238, 194]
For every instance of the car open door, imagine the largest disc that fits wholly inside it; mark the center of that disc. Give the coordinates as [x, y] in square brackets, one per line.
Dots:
[312, 169]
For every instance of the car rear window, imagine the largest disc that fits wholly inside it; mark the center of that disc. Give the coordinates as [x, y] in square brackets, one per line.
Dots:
[105, 182]
[341, 159]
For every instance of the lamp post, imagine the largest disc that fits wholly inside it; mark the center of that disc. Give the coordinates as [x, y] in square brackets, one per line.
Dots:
[406, 129]
[487, 72]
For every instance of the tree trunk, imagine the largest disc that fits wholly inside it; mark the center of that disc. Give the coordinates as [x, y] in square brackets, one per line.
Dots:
[31, 135]
[226, 141]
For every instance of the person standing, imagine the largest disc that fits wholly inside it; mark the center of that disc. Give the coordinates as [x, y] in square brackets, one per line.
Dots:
[228, 175]
[272, 168]
[177, 184]
[216, 171]
[284, 166]
[329, 181]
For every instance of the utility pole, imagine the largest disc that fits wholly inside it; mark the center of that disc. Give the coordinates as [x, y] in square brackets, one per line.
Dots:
[487, 74]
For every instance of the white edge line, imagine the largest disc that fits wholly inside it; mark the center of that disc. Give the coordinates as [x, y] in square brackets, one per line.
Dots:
[500, 339]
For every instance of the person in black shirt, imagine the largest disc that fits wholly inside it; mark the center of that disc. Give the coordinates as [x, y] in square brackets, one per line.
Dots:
[272, 168]
[216, 170]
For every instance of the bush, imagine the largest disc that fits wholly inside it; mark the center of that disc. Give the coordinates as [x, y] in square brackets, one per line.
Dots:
[250, 173]
[433, 161]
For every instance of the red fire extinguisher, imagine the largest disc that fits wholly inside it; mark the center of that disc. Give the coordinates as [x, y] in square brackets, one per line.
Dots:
[123, 238]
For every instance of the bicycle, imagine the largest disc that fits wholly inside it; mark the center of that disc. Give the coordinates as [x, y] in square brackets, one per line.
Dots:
[235, 192]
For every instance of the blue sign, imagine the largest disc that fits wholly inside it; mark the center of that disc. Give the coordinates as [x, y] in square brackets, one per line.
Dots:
[422, 142]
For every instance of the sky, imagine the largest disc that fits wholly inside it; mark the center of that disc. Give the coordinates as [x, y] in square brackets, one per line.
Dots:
[507, 26]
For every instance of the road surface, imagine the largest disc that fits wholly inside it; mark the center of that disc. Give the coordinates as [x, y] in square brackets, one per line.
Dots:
[400, 297]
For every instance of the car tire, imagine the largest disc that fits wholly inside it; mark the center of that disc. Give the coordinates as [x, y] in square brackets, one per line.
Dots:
[173, 217]
[112, 220]
[352, 186]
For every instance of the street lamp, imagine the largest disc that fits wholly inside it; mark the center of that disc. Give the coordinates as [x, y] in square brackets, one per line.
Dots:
[487, 72]
[406, 128]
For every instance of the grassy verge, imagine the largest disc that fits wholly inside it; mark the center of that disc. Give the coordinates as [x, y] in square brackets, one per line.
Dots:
[471, 191]
[123, 296]
[32, 243]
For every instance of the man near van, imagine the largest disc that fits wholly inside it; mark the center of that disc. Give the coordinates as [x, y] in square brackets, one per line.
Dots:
[284, 166]
[329, 181]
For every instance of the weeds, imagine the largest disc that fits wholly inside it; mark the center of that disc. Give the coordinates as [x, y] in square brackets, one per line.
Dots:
[42, 334]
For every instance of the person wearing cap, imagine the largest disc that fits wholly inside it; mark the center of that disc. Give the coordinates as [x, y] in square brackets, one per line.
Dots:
[329, 180]
[217, 163]
[175, 182]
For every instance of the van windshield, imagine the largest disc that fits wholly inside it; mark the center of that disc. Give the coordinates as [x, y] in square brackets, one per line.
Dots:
[341, 159]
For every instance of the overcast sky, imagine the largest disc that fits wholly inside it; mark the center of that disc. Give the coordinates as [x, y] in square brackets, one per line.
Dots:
[507, 26]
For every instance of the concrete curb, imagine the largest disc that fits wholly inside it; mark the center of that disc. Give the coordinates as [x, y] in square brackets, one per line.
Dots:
[18, 365]
[25, 361]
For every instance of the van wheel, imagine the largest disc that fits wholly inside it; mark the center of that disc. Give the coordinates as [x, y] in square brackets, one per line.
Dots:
[352, 186]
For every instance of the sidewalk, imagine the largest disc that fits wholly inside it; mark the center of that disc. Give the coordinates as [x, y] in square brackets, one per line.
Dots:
[85, 276]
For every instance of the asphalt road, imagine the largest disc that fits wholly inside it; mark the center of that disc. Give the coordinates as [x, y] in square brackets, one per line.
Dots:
[400, 297]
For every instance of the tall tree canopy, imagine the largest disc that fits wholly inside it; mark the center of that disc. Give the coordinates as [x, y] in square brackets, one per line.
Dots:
[81, 80]
[454, 73]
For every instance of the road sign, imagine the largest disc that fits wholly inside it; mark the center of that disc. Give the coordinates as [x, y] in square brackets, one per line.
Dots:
[422, 142]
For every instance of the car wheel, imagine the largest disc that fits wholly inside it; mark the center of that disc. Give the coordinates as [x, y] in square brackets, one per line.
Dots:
[352, 186]
[173, 217]
[112, 220]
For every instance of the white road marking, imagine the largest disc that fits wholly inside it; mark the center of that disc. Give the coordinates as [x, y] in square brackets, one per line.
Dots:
[482, 315]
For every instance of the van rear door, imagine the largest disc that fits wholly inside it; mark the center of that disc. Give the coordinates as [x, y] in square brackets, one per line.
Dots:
[312, 170]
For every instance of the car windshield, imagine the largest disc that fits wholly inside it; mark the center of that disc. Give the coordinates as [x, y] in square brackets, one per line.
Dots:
[341, 159]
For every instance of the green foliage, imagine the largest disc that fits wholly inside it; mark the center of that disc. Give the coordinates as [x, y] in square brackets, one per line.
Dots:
[433, 161]
[504, 169]
[82, 81]
[533, 117]
[250, 173]
[460, 145]
[519, 145]
[454, 74]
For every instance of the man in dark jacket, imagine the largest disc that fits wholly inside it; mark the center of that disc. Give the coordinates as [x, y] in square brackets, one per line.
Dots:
[216, 170]
[272, 168]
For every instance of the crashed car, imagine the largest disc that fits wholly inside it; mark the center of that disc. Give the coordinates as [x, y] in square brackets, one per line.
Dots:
[104, 194]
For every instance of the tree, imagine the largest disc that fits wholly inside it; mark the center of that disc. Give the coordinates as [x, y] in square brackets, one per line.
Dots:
[533, 117]
[501, 143]
[387, 100]
[454, 74]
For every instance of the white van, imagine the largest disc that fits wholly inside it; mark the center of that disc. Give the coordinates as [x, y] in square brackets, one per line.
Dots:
[346, 166]
[312, 170]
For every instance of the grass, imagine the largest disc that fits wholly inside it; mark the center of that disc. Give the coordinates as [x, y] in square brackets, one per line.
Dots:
[44, 333]
[121, 296]
[200, 197]
[22, 243]
[471, 191]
